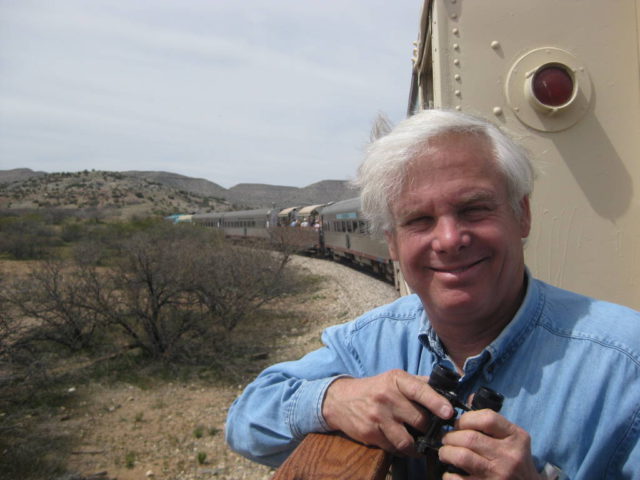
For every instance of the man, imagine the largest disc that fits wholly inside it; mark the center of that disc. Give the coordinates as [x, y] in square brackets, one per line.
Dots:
[451, 194]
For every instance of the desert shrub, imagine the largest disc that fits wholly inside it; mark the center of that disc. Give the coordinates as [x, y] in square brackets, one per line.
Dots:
[162, 289]
[26, 237]
[179, 283]
[234, 281]
[57, 298]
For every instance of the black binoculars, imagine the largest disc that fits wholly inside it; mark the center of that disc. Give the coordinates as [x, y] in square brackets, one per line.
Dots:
[445, 381]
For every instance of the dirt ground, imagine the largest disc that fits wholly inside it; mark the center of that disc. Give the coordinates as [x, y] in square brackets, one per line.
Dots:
[175, 430]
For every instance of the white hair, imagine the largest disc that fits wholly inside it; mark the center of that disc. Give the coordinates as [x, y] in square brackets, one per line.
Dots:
[382, 174]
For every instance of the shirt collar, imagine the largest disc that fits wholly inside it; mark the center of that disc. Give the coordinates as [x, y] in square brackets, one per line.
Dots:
[504, 345]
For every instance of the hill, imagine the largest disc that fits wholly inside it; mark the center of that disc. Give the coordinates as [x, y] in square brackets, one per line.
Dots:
[152, 192]
[198, 186]
[18, 175]
[260, 195]
[110, 193]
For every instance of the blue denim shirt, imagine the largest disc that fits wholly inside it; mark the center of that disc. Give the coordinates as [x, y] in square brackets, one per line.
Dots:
[567, 365]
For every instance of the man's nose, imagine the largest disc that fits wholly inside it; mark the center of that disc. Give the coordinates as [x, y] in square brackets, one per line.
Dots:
[450, 236]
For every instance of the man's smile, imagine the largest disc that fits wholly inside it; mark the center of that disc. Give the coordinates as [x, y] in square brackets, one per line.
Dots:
[457, 269]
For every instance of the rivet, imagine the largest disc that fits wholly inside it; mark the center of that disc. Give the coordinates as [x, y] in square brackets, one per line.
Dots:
[458, 107]
[457, 77]
[455, 31]
[495, 44]
[456, 61]
[457, 93]
[456, 46]
[497, 111]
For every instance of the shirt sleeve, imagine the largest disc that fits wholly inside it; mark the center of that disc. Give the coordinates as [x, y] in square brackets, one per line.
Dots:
[284, 403]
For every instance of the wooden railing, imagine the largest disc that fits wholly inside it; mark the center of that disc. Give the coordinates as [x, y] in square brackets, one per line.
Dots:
[323, 456]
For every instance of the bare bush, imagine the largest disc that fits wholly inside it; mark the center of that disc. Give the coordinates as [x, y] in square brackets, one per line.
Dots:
[56, 300]
[165, 289]
[155, 306]
[179, 282]
[235, 281]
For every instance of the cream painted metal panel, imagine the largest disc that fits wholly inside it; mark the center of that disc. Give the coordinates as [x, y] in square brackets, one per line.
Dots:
[586, 202]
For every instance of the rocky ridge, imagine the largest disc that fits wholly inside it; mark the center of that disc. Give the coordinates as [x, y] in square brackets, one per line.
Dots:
[153, 192]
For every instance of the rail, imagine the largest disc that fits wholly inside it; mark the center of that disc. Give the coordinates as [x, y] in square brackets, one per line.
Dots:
[331, 456]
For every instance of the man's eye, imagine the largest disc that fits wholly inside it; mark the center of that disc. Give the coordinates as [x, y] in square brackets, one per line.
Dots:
[424, 220]
[475, 211]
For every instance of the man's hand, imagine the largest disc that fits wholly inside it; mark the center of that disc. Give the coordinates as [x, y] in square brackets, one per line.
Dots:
[376, 410]
[487, 446]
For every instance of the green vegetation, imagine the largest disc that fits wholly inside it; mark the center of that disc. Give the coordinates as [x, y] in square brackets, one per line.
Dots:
[130, 460]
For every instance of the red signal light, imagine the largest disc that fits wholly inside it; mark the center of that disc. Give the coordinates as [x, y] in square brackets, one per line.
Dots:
[552, 85]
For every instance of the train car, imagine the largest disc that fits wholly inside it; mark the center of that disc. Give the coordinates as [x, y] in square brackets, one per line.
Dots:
[563, 77]
[346, 236]
[179, 218]
[308, 234]
[239, 224]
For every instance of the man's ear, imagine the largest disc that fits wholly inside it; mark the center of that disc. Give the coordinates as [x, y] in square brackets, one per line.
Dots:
[525, 217]
[391, 243]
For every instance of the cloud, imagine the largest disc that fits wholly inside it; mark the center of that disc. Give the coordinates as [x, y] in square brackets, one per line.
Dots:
[231, 91]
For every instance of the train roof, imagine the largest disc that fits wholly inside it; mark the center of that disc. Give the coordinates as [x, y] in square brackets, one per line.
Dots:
[349, 205]
[260, 212]
[311, 208]
[286, 211]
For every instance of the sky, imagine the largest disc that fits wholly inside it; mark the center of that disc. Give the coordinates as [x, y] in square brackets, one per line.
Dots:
[282, 92]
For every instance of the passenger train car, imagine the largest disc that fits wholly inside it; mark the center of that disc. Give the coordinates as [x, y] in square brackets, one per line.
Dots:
[239, 224]
[346, 235]
[336, 230]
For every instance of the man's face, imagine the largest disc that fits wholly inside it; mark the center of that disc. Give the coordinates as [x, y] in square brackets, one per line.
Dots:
[457, 239]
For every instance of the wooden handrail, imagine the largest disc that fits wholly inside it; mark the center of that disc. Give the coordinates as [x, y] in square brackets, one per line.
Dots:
[327, 456]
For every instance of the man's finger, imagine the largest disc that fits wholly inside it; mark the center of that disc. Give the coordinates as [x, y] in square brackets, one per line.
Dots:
[486, 421]
[421, 393]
